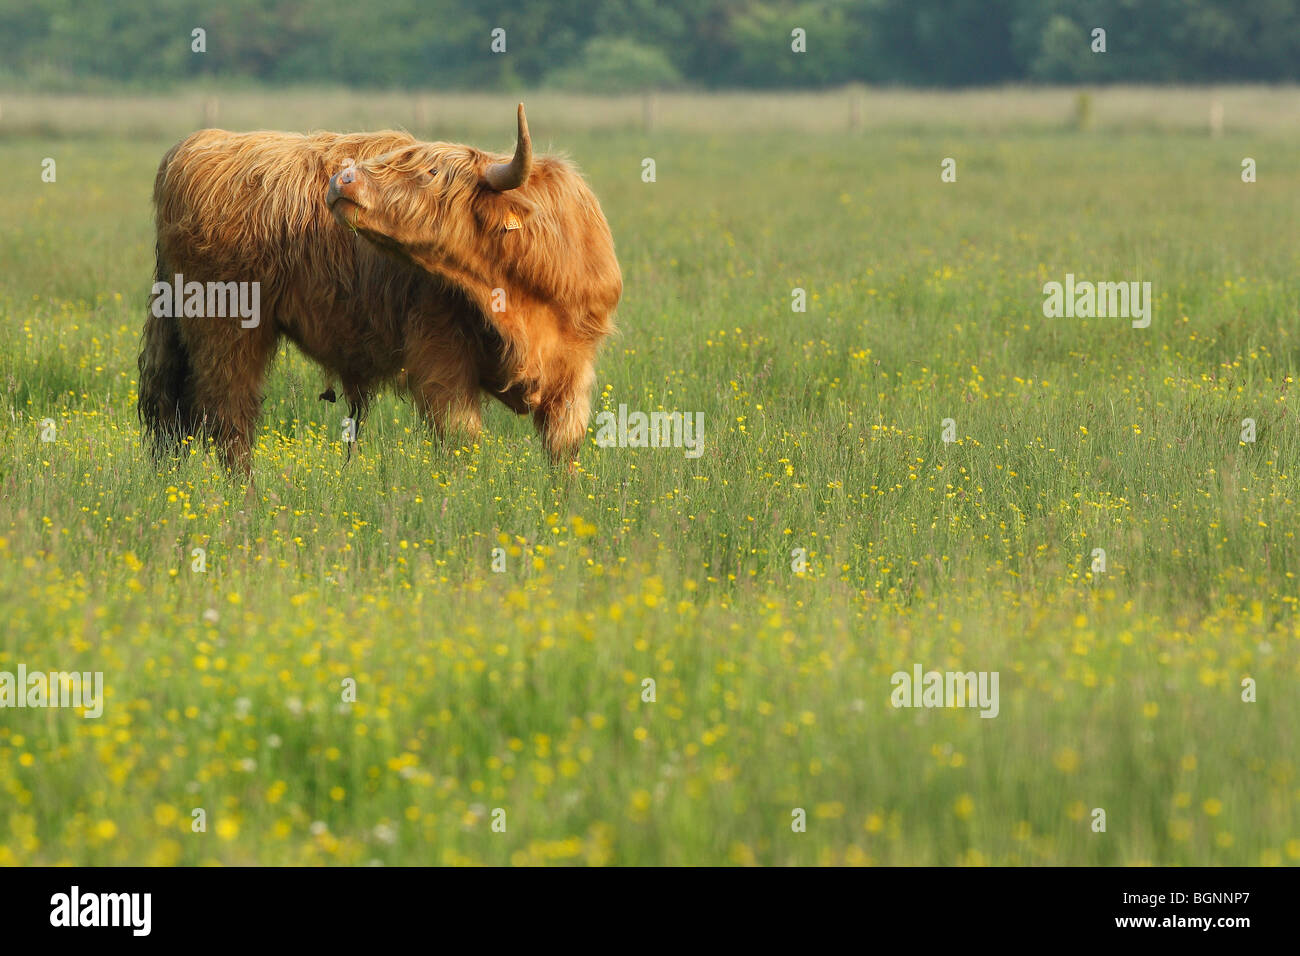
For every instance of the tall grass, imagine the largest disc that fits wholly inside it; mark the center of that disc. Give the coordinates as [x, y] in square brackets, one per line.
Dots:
[525, 690]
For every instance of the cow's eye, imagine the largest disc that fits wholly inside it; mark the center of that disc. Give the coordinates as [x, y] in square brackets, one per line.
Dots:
[433, 171]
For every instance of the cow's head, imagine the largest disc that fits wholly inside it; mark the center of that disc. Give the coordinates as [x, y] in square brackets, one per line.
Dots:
[434, 199]
[487, 224]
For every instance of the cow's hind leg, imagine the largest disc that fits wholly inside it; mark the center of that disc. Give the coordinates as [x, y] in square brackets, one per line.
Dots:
[358, 405]
[228, 365]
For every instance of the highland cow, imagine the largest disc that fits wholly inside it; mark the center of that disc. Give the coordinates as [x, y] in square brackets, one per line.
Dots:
[383, 259]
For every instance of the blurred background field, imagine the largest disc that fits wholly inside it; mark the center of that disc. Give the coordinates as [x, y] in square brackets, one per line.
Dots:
[1259, 110]
[523, 690]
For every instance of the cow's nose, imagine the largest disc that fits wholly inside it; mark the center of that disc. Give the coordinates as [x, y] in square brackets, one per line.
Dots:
[340, 184]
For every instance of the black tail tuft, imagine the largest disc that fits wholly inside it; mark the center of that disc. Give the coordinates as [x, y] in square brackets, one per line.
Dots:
[165, 404]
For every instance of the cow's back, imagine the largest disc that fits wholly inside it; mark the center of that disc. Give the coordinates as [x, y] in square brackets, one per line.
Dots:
[253, 204]
[250, 207]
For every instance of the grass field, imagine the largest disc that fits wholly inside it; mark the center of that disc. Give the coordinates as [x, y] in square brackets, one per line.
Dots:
[523, 690]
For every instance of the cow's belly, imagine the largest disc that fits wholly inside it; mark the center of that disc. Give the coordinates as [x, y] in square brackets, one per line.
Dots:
[358, 350]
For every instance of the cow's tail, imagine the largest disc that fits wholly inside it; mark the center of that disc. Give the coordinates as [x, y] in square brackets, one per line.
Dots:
[166, 400]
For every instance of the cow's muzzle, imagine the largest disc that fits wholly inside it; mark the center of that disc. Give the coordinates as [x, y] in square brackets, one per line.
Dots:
[343, 185]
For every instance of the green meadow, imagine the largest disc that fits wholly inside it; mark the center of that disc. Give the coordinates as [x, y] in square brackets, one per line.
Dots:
[689, 660]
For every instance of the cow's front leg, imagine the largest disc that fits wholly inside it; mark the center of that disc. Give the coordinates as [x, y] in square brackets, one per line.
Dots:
[451, 405]
[442, 374]
[562, 414]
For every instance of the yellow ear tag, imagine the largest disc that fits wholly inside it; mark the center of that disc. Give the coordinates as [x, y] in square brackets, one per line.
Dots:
[512, 222]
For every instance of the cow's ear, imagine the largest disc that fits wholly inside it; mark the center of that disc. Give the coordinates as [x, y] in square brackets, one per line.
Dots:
[502, 212]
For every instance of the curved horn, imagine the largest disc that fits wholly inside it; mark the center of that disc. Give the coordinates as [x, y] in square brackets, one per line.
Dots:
[512, 175]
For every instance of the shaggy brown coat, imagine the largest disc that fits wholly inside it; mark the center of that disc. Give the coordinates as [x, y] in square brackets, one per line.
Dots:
[462, 286]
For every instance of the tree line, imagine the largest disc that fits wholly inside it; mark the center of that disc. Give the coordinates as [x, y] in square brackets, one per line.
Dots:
[624, 45]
